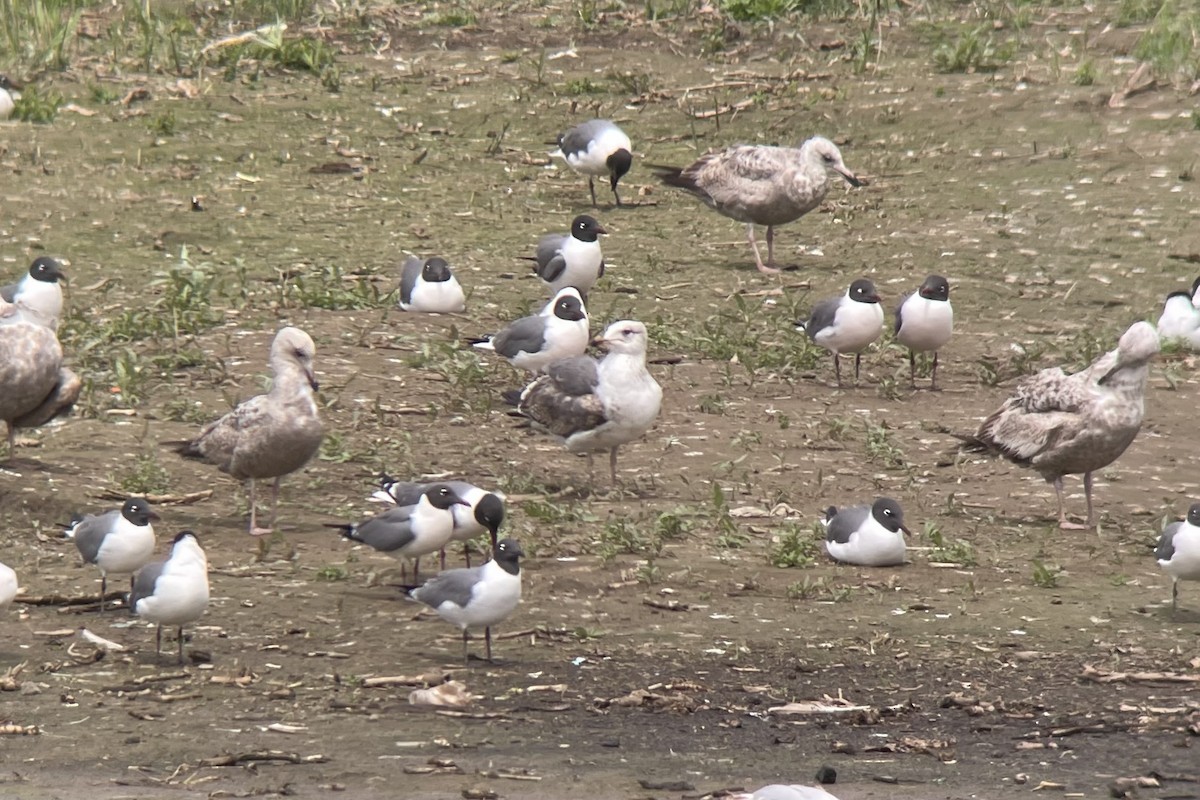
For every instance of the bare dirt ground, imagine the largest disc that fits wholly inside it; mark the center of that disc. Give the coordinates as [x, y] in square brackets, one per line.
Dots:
[658, 640]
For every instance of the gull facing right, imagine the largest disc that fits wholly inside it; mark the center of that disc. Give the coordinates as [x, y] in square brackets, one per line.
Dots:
[559, 330]
[848, 323]
[1060, 424]
[119, 541]
[482, 513]
[430, 286]
[573, 258]
[872, 536]
[597, 148]
[1178, 552]
[39, 289]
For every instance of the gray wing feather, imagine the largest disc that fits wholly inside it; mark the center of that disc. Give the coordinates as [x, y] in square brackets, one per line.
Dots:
[847, 521]
[1166, 544]
[408, 278]
[822, 316]
[144, 581]
[577, 139]
[899, 315]
[90, 532]
[550, 262]
[407, 493]
[389, 531]
[455, 585]
[575, 376]
[10, 291]
[527, 334]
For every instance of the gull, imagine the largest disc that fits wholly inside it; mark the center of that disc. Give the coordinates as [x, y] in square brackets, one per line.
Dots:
[8, 96]
[597, 148]
[846, 324]
[429, 285]
[872, 536]
[40, 289]
[119, 542]
[36, 386]
[778, 791]
[573, 258]
[559, 330]
[270, 435]
[1180, 319]
[477, 597]
[174, 591]
[1060, 424]
[598, 405]
[1178, 552]
[762, 185]
[8, 586]
[483, 511]
[925, 322]
[409, 532]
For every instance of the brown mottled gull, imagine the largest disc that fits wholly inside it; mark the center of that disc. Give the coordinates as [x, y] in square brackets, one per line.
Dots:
[762, 185]
[1061, 424]
[36, 386]
[270, 435]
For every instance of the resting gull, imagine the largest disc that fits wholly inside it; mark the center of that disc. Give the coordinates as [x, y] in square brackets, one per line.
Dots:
[477, 597]
[560, 330]
[924, 323]
[872, 536]
[174, 591]
[40, 289]
[1060, 424]
[1178, 552]
[598, 405]
[1180, 318]
[429, 285]
[762, 185]
[270, 435]
[8, 585]
[597, 148]
[120, 541]
[573, 258]
[482, 513]
[848, 323]
[37, 387]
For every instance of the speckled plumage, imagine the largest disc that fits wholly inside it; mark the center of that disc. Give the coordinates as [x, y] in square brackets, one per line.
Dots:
[36, 387]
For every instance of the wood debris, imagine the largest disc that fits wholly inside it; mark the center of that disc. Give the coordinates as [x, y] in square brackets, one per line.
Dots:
[260, 757]
[1108, 676]
[450, 693]
[19, 730]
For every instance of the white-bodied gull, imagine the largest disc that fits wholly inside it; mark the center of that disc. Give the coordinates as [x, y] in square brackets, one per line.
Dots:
[118, 542]
[925, 322]
[848, 323]
[1180, 318]
[8, 585]
[172, 592]
[483, 512]
[597, 148]
[1178, 552]
[39, 289]
[8, 96]
[558, 331]
[270, 435]
[573, 258]
[428, 285]
[871, 536]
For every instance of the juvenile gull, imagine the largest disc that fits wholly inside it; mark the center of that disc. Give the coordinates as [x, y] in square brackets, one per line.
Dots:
[1060, 424]
[598, 405]
[560, 330]
[119, 542]
[872, 536]
[36, 386]
[846, 324]
[409, 532]
[762, 185]
[925, 322]
[1178, 552]
[8, 586]
[430, 286]
[482, 513]
[477, 597]
[1180, 318]
[39, 289]
[573, 258]
[270, 435]
[597, 148]
[174, 591]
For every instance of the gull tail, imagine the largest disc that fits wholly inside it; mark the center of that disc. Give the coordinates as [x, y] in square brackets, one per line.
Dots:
[671, 176]
[482, 342]
[187, 448]
[347, 529]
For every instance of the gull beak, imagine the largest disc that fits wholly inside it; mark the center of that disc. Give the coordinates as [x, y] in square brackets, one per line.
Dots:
[850, 177]
[152, 515]
[599, 341]
[601, 229]
[312, 379]
[904, 528]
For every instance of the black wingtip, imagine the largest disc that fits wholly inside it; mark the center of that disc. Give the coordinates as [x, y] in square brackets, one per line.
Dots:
[186, 448]
[512, 397]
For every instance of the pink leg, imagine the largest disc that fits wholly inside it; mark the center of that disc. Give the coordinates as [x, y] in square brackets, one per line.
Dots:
[1063, 522]
[763, 268]
[254, 529]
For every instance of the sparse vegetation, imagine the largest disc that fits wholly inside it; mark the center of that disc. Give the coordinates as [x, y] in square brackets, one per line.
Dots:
[795, 546]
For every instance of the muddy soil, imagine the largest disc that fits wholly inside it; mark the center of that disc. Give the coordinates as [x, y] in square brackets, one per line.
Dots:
[658, 645]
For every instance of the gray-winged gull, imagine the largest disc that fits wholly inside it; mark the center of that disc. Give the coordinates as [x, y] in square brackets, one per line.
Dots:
[39, 289]
[872, 536]
[172, 592]
[559, 330]
[482, 513]
[1178, 551]
[428, 285]
[573, 258]
[848, 323]
[118, 542]
[597, 148]
[925, 323]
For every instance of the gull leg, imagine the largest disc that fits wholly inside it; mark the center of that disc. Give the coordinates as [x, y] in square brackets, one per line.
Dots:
[466, 655]
[1087, 492]
[157, 642]
[857, 364]
[591, 471]
[592, 189]
[1174, 596]
[1063, 522]
[837, 369]
[103, 590]
[771, 246]
[180, 632]
[763, 268]
[487, 638]
[612, 465]
[442, 555]
[12, 441]
[617, 196]
[912, 368]
[933, 374]
[466, 555]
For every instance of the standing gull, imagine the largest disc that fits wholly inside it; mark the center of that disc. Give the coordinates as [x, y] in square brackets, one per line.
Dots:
[598, 405]
[482, 513]
[846, 324]
[1060, 424]
[1178, 552]
[8, 586]
[409, 532]
[924, 323]
[36, 386]
[872, 536]
[560, 330]
[430, 286]
[174, 591]
[1180, 318]
[597, 148]
[761, 185]
[120, 541]
[477, 597]
[39, 289]
[270, 435]
[573, 258]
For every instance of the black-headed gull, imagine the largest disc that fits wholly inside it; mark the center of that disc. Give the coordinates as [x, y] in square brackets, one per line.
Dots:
[428, 285]
[118, 542]
[483, 512]
[558, 331]
[597, 148]
[1178, 552]
[848, 323]
[872, 536]
[573, 258]
[925, 322]
[172, 592]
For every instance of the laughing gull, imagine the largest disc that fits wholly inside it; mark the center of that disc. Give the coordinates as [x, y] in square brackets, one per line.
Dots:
[483, 512]
[762, 185]
[8, 96]
[846, 324]
[36, 386]
[174, 591]
[1178, 552]
[8, 585]
[598, 405]
[1180, 319]
[409, 532]
[477, 597]
[597, 148]
[573, 258]
[119, 542]
[39, 289]
[1061, 424]
[270, 435]
[871, 536]
[560, 330]
[778, 791]
[430, 286]
[924, 323]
